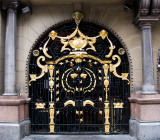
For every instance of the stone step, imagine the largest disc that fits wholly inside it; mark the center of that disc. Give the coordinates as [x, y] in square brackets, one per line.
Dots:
[79, 137]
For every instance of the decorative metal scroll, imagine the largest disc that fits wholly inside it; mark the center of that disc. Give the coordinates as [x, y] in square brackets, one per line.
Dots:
[73, 80]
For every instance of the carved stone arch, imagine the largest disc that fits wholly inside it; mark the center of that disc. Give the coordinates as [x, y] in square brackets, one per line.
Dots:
[85, 20]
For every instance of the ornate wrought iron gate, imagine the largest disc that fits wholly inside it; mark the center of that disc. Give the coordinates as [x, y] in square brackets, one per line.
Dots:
[79, 84]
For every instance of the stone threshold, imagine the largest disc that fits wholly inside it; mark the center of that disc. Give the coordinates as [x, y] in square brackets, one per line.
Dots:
[79, 137]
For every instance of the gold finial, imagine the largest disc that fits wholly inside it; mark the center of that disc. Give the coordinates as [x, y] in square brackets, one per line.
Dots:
[77, 17]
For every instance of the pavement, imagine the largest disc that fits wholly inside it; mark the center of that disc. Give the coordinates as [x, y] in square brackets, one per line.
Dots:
[79, 137]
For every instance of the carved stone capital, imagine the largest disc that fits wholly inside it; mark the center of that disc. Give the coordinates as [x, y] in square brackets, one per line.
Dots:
[156, 7]
[146, 21]
[10, 6]
[144, 7]
[148, 13]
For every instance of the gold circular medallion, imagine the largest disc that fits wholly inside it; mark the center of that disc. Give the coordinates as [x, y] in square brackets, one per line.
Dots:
[121, 51]
[35, 53]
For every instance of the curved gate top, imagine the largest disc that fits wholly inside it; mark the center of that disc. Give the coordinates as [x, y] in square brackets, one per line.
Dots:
[79, 81]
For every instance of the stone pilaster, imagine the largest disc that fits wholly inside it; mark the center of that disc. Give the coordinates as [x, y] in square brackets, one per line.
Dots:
[10, 47]
[145, 23]
[148, 66]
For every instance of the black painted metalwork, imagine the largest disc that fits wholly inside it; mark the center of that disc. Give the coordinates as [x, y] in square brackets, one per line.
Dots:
[79, 119]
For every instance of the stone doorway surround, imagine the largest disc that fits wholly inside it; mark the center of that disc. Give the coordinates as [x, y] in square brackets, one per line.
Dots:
[145, 105]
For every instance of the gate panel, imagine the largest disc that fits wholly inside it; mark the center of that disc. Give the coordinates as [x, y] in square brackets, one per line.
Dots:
[77, 101]
[79, 84]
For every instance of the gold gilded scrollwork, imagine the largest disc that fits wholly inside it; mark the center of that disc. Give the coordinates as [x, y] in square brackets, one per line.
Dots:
[106, 78]
[88, 102]
[77, 17]
[100, 112]
[106, 111]
[81, 112]
[74, 75]
[51, 128]
[79, 44]
[44, 69]
[69, 102]
[118, 105]
[83, 75]
[45, 49]
[106, 104]
[40, 105]
[79, 55]
[67, 73]
[111, 48]
[103, 34]
[92, 81]
[57, 112]
[114, 66]
[81, 120]
[51, 112]
[51, 80]
[100, 99]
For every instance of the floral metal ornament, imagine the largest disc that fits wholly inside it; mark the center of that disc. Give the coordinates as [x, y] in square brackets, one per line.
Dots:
[77, 40]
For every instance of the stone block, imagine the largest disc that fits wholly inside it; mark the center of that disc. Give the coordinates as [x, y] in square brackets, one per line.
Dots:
[1, 87]
[34, 23]
[44, 15]
[20, 66]
[2, 39]
[1, 52]
[13, 108]
[137, 75]
[67, 11]
[32, 35]
[20, 88]
[98, 12]
[145, 107]
[14, 131]
[137, 64]
[20, 31]
[1, 65]
[108, 18]
[136, 52]
[145, 130]
[56, 12]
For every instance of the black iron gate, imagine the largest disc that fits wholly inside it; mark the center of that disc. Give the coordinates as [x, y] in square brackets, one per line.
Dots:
[80, 83]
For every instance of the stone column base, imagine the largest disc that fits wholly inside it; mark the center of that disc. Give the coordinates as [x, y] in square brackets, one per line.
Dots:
[144, 130]
[14, 131]
[14, 117]
[145, 114]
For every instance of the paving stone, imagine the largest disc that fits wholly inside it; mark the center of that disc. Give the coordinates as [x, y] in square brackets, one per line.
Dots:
[79, 137]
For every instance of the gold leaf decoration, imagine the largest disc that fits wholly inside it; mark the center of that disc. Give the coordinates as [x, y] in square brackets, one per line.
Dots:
[53, 35]
[103, 34]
